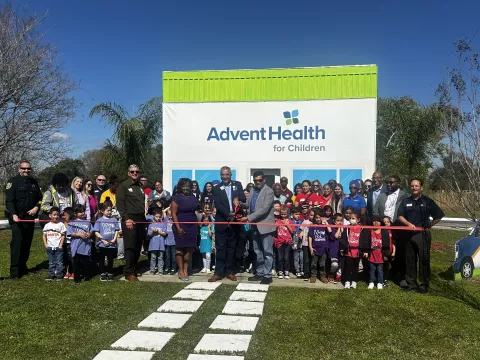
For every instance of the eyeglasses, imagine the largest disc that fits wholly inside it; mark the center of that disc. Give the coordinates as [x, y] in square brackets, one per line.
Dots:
[257, 181]
[24, 168]
[100, 179]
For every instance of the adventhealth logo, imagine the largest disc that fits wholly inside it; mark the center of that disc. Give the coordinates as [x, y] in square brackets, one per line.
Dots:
[270, 133]
[291, 118]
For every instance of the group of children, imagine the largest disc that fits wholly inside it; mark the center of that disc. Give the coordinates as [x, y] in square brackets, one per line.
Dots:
[331, 247]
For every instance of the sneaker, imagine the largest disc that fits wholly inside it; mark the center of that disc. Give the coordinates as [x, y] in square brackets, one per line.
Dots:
[331, 279]
[305, 278]
[72, 277]
[280, 275]
[67, 276]
[347, 285]
[209, 271]
[160, 273]
[152, 272]
[166, 271]
[302, 273]
[255, 278]
[287, 275]
[213, 267]
[422, 289]
[323, 279]
[173, 272]
[370, 286]
[403, 284]
[120, 257]
[266, 281]
[386, 284]
[354, 284]
[204, 270]
[338, 279]
[110, 277]
[313, 279]
[274, 272]
[103, 277]
[379, 286]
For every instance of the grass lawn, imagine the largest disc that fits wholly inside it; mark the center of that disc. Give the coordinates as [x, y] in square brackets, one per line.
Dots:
[60, 320]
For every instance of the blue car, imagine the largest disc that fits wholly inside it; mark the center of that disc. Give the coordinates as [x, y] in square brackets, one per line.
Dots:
[467, 255]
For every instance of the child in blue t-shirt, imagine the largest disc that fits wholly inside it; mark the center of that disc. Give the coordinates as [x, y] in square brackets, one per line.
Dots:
[79, 231]
[106, 231]
[170, 248]
[157, 231]
[297, 242]
[206, 244]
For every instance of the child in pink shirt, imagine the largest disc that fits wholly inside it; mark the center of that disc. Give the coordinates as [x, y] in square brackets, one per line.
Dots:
[283, 243]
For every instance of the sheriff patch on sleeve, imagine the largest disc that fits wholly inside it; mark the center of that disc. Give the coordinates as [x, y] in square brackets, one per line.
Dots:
[9, 185]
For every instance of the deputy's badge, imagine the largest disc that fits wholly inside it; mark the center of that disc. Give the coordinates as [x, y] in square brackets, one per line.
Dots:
[234, 188]
[141, 190]
[130, 189]
[222, 187]
[9, 185]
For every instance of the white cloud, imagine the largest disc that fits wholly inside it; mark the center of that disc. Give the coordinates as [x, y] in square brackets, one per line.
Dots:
[58, 136]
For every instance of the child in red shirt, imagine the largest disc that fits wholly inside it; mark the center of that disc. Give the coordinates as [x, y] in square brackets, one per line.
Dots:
[375, 244]
[350, 249]
[283, 243]
[387, 265]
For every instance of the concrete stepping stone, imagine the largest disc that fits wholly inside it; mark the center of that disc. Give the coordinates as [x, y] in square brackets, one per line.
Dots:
[237, 323]
[223, 343]
[180, 306]
[124, 355]
[203, 285]
[213, 357]
[243, 308]
[164, 320]
[252, 287]
[193, 294]
[141, 339]
[248, 296]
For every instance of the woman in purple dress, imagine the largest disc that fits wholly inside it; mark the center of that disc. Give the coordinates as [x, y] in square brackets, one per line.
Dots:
[184, 206]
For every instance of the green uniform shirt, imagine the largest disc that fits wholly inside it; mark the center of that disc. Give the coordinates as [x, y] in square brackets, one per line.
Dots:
[22, 195]
[130, 198]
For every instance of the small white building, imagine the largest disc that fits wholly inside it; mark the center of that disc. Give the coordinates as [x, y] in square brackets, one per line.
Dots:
[302, 123]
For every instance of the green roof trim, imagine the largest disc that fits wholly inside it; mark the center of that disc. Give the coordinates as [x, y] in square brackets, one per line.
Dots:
[320, 83]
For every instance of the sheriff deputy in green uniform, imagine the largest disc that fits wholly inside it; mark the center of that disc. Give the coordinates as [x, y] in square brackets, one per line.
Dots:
[131, 206]
[23, 197]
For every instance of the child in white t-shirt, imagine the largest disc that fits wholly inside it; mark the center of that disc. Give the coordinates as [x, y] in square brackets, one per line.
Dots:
[53, 239]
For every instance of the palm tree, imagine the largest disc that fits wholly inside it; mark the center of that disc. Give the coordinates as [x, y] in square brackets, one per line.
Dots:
[134, 136]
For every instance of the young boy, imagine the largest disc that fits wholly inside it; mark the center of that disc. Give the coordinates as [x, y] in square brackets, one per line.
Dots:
[307, 257]
[157, 231]
[67, 249]
[53, 239]
[170, 248]
[297, 243]
[80, 231]
[106, 231]
[317, 243]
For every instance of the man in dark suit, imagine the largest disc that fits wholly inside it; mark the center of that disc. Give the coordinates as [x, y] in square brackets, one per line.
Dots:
[226, 198]
[372, 195]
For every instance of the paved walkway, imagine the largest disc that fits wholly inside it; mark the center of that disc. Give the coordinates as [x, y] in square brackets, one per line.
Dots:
[241, 314]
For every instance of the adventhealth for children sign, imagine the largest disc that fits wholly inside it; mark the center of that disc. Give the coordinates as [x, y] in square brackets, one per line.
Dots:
[204, 129]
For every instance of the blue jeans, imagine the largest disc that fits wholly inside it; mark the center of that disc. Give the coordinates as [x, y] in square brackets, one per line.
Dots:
[170, 260]
[156, 260]
[379, 269]
[55, 262]
[263, 247]
[298, 260]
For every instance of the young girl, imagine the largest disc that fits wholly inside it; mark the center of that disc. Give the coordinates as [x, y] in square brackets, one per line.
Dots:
[328, 212]
[276, 208]
[67, 249]
[347, 215]
[206, 244]
[157, 231]
[349, 248]
[170, 263]
[336, 262]
[318, 245]
[106, 231]
[80, 232]
[307, 257]
[297, 243]
[387, 265]
[283, 243]
[375, 244]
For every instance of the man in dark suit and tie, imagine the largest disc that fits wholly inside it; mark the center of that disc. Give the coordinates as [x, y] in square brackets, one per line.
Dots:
[372, 195]
[226, 198]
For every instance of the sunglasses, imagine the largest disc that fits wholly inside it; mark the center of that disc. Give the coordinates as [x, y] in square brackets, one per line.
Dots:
[100, 179]
[258, 181]
[24, 168]
[134, 172]
[316, 185]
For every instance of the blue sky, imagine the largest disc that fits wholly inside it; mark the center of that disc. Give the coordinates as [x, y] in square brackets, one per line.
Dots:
[117, 50]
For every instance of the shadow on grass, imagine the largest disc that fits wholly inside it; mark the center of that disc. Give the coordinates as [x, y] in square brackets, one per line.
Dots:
[447, 274]
[457, 291]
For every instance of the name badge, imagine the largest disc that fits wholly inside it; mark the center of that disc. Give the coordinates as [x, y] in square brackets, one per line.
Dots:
[222, 187]
[409, 205]
[130, 189]
[234, 187]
